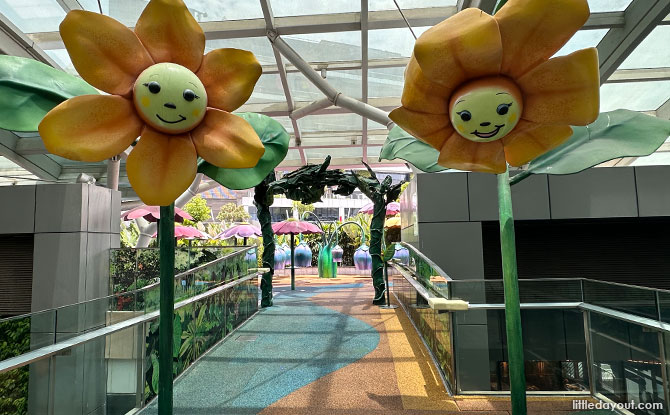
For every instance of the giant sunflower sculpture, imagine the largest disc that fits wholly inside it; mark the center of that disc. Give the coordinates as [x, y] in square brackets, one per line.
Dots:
[163, 90]
[483, 90]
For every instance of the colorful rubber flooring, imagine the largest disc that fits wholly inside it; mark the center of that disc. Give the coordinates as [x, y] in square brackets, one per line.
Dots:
[324, 349]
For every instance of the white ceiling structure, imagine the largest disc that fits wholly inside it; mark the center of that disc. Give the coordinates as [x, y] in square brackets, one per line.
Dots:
[322, 59]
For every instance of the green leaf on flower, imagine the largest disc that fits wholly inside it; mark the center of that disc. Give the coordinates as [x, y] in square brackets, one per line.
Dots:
[401, 145]
[275, 138]
[29, 89]
[615, 134]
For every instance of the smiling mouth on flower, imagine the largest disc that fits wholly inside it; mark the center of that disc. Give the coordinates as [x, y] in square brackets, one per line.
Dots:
[171, 122]
[489, 134]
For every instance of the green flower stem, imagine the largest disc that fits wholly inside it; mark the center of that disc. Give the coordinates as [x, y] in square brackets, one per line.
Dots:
[376, 237]
[263, 200]
[165, 342]
[512, 305]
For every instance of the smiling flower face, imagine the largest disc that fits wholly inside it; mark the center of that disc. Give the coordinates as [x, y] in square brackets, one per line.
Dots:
[163, 90]
[170, 98]
[483, 91]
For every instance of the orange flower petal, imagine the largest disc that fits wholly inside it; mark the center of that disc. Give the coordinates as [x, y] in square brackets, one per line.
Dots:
[434, 129]
[463, 154]
[106, 53]
[161, 167]
[530, 140]
[90, 127]
[421, 95]
[229, 76]
[465, 46]
[533, 30]
[228, 141]
[171, 34]
[563, 90]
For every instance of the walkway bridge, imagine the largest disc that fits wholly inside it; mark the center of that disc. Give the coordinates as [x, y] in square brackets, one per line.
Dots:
[324, 349]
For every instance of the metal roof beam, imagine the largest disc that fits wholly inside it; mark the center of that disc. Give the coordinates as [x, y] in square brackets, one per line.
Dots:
[16, 43]
[335, 22]
[641, 16]
[40, 165]
[639, 75]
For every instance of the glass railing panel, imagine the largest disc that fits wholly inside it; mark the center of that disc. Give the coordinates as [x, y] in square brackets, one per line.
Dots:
[132, 268]
[626, 363]
[550, 291]
[629, 299]
[554, 351]
[664, 305]
[426, 271]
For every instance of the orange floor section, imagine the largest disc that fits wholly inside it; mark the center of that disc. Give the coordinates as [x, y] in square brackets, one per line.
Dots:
[398, 377]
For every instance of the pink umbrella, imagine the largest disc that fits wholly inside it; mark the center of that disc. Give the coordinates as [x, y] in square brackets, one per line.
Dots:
[152, 214]
[242, 230]
[291, 227]
[391, 209]
[187, 232]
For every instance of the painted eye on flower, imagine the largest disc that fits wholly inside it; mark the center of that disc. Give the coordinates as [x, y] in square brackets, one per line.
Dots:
[465, 115]
[189, 95]
[503, 108]
[154, 87]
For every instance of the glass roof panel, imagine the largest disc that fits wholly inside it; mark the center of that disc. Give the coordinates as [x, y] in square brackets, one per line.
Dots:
[330, 122]
[392, 43]
[348, 82]
[323, 47]
[292, 154]
[650, 53]
[268, 89]
[62, 58]
[408, 4]
[32, 16]
[302, 8]
[635, 96]
[374, 151]
[582, 39]
[341, 152]
[285, 122]
[654, 159]
[259, 46]
[128, 11]
[385, 82]
[608, 5]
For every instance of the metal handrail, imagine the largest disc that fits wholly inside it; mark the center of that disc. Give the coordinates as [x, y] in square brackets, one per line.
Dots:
[122, 294]
[54, 349]
[428, 260]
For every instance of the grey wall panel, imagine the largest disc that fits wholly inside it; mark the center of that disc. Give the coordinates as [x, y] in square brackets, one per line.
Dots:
[59, 269]
[456, 247]
[594, 193]
[442, 197]
[530, 198]
[61, 208]
[97, 264]
[99, 209]
[115, 211]
[17, 210]
[653, 190]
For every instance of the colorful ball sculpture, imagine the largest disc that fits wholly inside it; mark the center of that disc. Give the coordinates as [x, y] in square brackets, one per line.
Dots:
[303, 255]
[338, 252]
[280, 257]
[401, 254]
[485, 91]
[251, 258]
[362, 258]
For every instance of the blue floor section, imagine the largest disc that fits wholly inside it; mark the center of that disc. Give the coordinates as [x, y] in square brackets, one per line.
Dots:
[298, 342]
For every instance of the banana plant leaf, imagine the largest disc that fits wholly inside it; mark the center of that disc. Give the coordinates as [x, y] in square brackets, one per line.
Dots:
[615, 134]
[29, 89]
[401, 145]
[275, 138]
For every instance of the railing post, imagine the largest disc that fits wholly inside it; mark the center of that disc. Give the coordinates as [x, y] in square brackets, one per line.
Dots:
[664, 372]
[589, 352]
